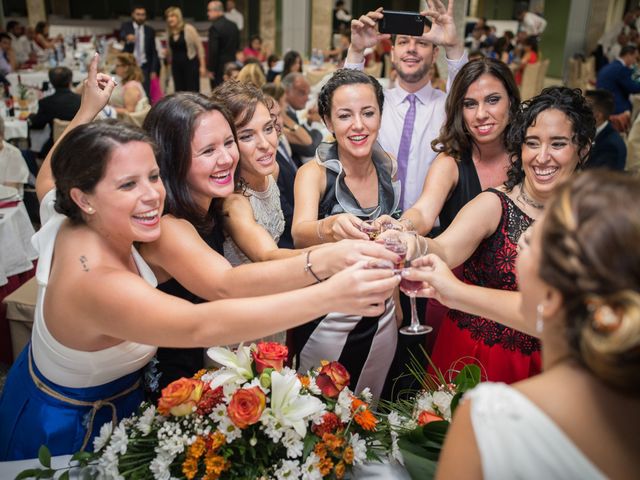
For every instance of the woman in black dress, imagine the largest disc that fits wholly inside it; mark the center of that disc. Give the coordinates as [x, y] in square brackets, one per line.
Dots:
[185, 51]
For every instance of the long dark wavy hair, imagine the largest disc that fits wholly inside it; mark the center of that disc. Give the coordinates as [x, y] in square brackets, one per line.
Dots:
[455, 137]
[568, 101]
[171, 123]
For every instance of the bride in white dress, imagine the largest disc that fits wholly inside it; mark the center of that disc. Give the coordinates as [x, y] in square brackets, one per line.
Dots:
[579, 272]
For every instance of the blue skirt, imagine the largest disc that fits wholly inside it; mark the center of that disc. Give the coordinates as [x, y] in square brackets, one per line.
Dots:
[30, 418]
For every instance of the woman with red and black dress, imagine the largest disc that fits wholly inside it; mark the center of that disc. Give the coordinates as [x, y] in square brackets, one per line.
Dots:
[550, 138]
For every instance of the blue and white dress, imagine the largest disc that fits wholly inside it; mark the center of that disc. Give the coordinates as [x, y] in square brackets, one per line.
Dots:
[51, 389]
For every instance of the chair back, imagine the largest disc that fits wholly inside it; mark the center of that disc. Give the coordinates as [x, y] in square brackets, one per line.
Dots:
[58, 127]
[135, 118]
[529, 86]
[542, 73]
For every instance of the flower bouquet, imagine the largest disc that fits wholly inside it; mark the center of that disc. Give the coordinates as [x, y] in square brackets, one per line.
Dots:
[252, 418]
[418, 424]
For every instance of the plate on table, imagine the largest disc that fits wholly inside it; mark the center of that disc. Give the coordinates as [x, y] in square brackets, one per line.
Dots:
[8, 193]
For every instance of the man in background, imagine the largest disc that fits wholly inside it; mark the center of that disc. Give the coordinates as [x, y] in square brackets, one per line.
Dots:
[63, 104]
[234, 15]
[19, 41]
[608, 150]
[224, 41]
[140, 40]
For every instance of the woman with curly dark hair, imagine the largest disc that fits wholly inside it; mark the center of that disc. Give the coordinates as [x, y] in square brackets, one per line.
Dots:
[550, 138]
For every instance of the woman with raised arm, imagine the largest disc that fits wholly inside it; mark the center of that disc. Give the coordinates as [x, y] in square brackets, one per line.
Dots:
[579, 274]
[98, 314]
[550, 138]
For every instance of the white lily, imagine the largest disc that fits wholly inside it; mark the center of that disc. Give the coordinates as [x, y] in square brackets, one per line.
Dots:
[238, 365]
[288, 407]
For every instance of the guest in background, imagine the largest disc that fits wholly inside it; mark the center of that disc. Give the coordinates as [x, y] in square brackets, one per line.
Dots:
[42, 44]
[252, 73]
[13, 168]
[185, 52]
[502, 50]
[233, 14]
[531, 23]
[616, 78]
[231, 71]
[19, 41]
[292, 64]
[341, 18]
[63, 104]
[272, 64]
[437, 81]
[579, 278]
[296, 92]
[254, 49]
[224, 42]
[609, 150]
[129, 95]
[529, 56]
[140, 40]
[8, 61]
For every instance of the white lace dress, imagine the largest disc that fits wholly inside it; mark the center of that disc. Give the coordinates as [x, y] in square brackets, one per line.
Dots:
[517, 440]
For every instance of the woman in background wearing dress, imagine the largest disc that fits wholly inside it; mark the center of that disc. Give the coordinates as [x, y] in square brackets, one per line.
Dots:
[185, 52]
[579, 274]
[129, 95]
[550, 138]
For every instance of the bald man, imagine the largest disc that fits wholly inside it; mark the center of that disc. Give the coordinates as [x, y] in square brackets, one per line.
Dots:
[224, 41]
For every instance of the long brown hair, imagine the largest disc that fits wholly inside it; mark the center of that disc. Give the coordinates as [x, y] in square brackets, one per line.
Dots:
[454, 137]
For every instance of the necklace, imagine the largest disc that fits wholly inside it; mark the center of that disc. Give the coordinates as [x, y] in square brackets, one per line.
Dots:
[526, 199]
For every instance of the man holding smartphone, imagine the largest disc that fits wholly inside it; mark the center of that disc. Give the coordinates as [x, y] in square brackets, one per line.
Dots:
[412, 99]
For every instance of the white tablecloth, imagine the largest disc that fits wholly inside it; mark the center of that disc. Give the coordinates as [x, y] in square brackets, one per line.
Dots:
[16, 251]
[15, 128]
[35, 78]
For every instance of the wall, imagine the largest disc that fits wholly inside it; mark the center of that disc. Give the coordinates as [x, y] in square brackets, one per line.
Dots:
[552, 45]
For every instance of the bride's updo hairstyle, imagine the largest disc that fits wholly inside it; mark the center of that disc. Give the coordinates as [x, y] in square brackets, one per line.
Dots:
[590, 253]
[80, 160]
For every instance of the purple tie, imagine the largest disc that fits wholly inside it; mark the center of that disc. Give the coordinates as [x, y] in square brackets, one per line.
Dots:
[405, 145]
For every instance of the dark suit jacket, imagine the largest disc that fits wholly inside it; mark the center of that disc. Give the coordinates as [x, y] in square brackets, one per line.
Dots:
[224, 42]
[63, 104]
[608, 151]
[616, 78]
[298, 150]
[286, 179]
[153, 64]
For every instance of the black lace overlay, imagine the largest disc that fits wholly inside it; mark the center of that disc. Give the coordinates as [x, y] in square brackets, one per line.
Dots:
[492, 265]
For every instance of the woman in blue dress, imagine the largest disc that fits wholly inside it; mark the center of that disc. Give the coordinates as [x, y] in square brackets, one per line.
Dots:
[98, 316]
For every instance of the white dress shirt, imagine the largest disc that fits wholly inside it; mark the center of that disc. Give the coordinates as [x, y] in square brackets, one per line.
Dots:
[430, 116]
[236, 17]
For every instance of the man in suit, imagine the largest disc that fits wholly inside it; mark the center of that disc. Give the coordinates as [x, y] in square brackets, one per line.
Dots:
[63, 104]
[140, 39]
[616, 78]
[608, 150]
[304, 140]
[224, 42]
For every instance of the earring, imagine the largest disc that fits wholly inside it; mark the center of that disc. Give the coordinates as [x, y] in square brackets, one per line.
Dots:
[539, 318]
[90, 210]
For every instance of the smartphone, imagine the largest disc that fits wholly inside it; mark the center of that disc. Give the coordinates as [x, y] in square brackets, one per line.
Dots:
[402, 23]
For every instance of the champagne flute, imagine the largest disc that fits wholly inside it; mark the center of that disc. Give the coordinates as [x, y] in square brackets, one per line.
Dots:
[371, 228]
[411, 287]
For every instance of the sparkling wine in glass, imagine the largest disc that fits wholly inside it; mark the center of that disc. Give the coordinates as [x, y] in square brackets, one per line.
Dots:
[411, 287]
[371, 228]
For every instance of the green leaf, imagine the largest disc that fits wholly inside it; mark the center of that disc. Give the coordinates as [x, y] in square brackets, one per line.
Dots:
[82, 458]
[309, 444]
[48, 473]
[419, 468]
[44, 455]
[31, 473]
[64, 476]
[468, 377]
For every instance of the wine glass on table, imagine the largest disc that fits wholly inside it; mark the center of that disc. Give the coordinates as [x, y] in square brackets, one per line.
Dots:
[411, 288]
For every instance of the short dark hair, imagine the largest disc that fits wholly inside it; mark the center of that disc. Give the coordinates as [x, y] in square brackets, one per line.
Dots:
[602, 101]
[4, 35]
[69, 163]
[172, 123]
[138, 6]
[11, 24]
[627, 49]
[60, 77]
[40, 27]
[346, 76]
[568, 101]
[288, 60]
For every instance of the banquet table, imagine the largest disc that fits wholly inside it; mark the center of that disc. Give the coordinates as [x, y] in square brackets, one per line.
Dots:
[15, 128]
[35, 78]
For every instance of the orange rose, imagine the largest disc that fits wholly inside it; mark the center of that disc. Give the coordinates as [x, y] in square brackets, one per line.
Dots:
[332, 379]
[270, 355]
[246, 406]
[428, 417]
[179, 397]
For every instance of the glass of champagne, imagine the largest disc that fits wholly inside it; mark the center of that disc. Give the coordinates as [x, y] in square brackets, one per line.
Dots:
[411, 287]
[371, 228]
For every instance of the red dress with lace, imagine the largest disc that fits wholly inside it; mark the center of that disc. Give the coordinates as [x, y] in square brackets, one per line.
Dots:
[504, 354]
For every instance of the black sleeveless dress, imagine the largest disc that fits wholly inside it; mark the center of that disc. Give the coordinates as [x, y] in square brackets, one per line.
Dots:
[467, 189]
[174, 363]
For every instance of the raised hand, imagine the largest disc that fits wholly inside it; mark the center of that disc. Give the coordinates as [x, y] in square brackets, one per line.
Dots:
[364, 31]
[359, 290]
[346, 225]
[96, 91]
[345, 253]
[443, 29]
[438, 281]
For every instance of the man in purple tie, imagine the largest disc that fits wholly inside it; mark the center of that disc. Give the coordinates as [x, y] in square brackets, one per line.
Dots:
[413, 111]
